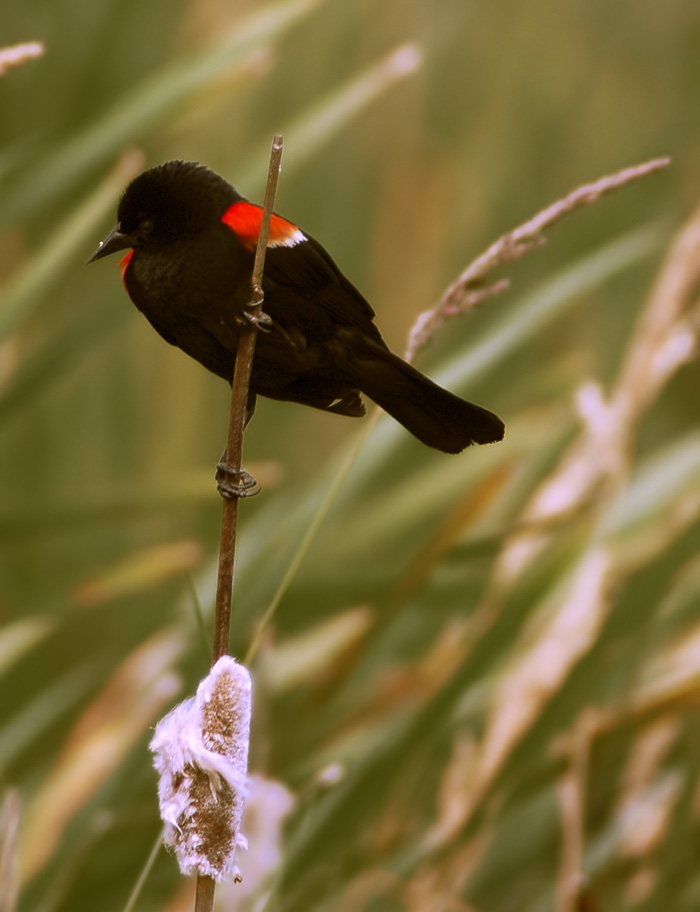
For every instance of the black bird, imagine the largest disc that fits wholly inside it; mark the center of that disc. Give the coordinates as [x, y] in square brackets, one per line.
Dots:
[191, 238]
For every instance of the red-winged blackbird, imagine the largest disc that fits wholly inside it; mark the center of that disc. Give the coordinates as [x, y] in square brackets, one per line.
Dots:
[193, 239]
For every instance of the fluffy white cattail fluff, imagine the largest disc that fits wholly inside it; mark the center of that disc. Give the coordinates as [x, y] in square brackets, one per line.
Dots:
[201, 750]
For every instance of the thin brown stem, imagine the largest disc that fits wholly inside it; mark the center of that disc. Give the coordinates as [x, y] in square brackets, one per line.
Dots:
[204, 900]
[239, 402]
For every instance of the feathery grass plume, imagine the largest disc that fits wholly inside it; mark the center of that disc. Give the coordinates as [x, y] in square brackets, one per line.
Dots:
[469, 290]
[201, 750]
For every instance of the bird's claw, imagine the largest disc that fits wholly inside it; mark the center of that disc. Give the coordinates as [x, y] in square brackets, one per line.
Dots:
[260, 320]
[233, 484]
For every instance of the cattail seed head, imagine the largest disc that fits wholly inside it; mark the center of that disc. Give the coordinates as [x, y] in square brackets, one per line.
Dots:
[201, 750]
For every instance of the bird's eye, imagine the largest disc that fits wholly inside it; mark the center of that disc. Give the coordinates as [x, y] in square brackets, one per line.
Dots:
[145, 226]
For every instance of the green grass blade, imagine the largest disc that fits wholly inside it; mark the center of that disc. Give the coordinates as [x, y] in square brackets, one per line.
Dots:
[145, 108]
[307, 134]
[59, 252]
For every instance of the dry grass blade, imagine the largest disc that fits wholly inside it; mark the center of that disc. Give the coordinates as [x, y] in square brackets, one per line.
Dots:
[9, 850]
[18, 54]
[466, 291]
[570, 621]
[98, 742]
[665, 338]
[571, 796]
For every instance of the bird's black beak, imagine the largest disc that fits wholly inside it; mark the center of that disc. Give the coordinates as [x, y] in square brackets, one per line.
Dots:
[114, 241]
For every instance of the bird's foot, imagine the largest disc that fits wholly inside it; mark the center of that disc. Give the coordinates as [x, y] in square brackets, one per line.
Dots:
[260, 320]
[233, 484]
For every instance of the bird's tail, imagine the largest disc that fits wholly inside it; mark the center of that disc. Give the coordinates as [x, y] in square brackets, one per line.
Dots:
[432, 414]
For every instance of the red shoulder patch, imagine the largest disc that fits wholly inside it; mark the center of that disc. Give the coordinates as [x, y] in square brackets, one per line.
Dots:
[245, 220]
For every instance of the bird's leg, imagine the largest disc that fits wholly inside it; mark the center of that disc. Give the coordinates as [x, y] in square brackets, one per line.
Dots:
[235, 483]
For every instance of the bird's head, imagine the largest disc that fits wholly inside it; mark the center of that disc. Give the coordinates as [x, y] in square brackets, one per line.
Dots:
[173, 200]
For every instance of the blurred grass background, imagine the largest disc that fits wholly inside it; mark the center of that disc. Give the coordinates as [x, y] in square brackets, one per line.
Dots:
[468, 715]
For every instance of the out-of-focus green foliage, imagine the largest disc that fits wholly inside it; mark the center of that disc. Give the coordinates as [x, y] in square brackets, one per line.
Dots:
[481, 684]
